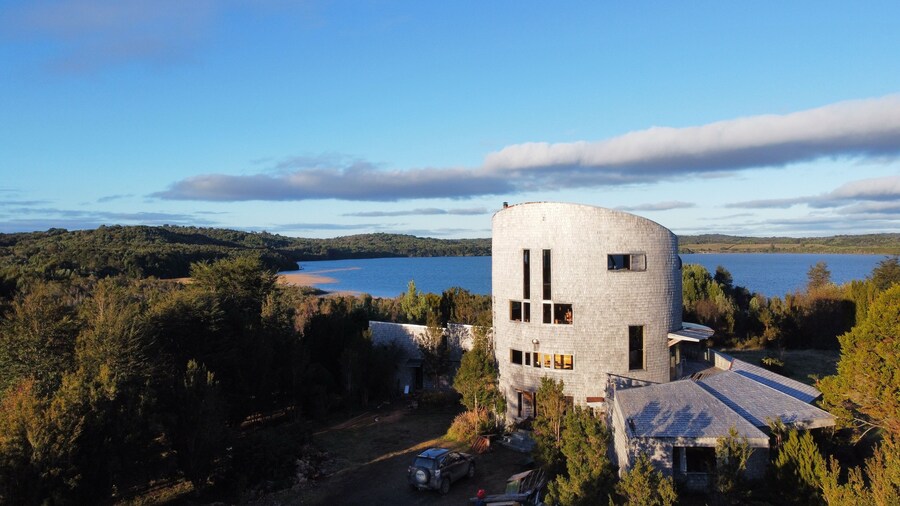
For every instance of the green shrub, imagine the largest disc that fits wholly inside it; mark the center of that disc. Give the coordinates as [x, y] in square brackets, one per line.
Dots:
[773, 364]
[469, 424]
[439, 398]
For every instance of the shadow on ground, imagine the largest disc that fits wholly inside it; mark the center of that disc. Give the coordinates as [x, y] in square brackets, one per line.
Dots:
[371, 453]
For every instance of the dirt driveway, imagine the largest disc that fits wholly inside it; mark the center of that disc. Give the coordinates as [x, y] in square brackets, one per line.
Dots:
[372, 451]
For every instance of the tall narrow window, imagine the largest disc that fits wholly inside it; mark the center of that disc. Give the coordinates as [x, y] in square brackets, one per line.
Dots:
[546, 269]
[526, 312]
[548, 313]
[635, 347]
[526, 274]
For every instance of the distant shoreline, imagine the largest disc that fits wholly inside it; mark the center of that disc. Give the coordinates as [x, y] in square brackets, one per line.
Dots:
[304, 279]
[293, 279]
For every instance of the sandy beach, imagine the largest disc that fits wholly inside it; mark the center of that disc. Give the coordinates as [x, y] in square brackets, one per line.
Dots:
[303, 279]
[296, 279]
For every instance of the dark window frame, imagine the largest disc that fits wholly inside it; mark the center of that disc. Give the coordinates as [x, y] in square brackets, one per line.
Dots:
[632, 262]
[526, 274]
[563, 314]
[515, 311]
[636, 348]
[513, 355]
[546, 273]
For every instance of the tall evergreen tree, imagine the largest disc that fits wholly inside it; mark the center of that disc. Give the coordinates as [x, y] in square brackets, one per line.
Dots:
[548, 425]
[643, 485]
[476, 379]
[865, 392]
[589, 474]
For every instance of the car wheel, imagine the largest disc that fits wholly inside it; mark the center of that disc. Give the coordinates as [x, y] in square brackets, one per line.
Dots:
[471, 471]
[445, 486]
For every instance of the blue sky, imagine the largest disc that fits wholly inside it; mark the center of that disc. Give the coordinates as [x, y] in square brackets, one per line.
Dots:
[322, 119]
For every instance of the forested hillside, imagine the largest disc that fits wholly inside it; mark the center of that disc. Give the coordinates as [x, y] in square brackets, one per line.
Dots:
[880, 244]
[168, 251]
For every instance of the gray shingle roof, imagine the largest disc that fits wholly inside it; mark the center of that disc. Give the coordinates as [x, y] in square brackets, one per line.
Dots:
[785, 385]
[758, 402]
[680, 409]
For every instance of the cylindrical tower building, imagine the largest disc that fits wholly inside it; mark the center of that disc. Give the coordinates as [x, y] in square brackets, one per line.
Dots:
[579, 293]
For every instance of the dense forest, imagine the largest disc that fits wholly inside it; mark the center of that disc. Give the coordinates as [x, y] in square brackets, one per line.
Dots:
[111, 380]
[168, 251]
[107, 385]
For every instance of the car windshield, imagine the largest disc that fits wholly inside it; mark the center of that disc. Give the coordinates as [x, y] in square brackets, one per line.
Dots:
[424, 462]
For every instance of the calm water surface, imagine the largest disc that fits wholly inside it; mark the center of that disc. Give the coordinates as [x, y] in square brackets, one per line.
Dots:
[772, 274]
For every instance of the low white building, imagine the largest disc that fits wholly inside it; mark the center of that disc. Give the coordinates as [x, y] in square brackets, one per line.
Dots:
[407, 338]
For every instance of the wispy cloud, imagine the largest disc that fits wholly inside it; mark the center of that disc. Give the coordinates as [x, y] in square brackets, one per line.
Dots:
[75, 219]
[22, 202]
[431, 211]
[444, 232]
[110, 198]
[296, 227]
[91, 34]
[357, 181]
[880, 189]
[658, 206]
[861, 129]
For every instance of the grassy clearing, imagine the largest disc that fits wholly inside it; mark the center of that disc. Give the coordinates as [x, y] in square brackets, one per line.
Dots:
[801, 365]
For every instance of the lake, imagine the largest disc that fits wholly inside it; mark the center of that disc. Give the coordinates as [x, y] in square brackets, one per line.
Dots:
[772, 274]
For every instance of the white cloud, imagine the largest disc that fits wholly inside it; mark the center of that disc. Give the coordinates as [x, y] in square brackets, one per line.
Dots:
[658, 206]
[860, 128]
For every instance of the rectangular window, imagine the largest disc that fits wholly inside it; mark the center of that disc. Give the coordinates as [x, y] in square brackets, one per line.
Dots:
[527, 358]
[537, 359]
[546, 269]
[515, 356]
[548, 313]
[526, 274]
[562, 362]
[635, 347]
[526, 311]
[548, 360]
[515, 310]
[623, 262]
[562, 313]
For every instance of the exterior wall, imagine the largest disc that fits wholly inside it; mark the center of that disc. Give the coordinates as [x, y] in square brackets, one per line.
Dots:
[621, 455]
[407, 338]
[604, 302]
